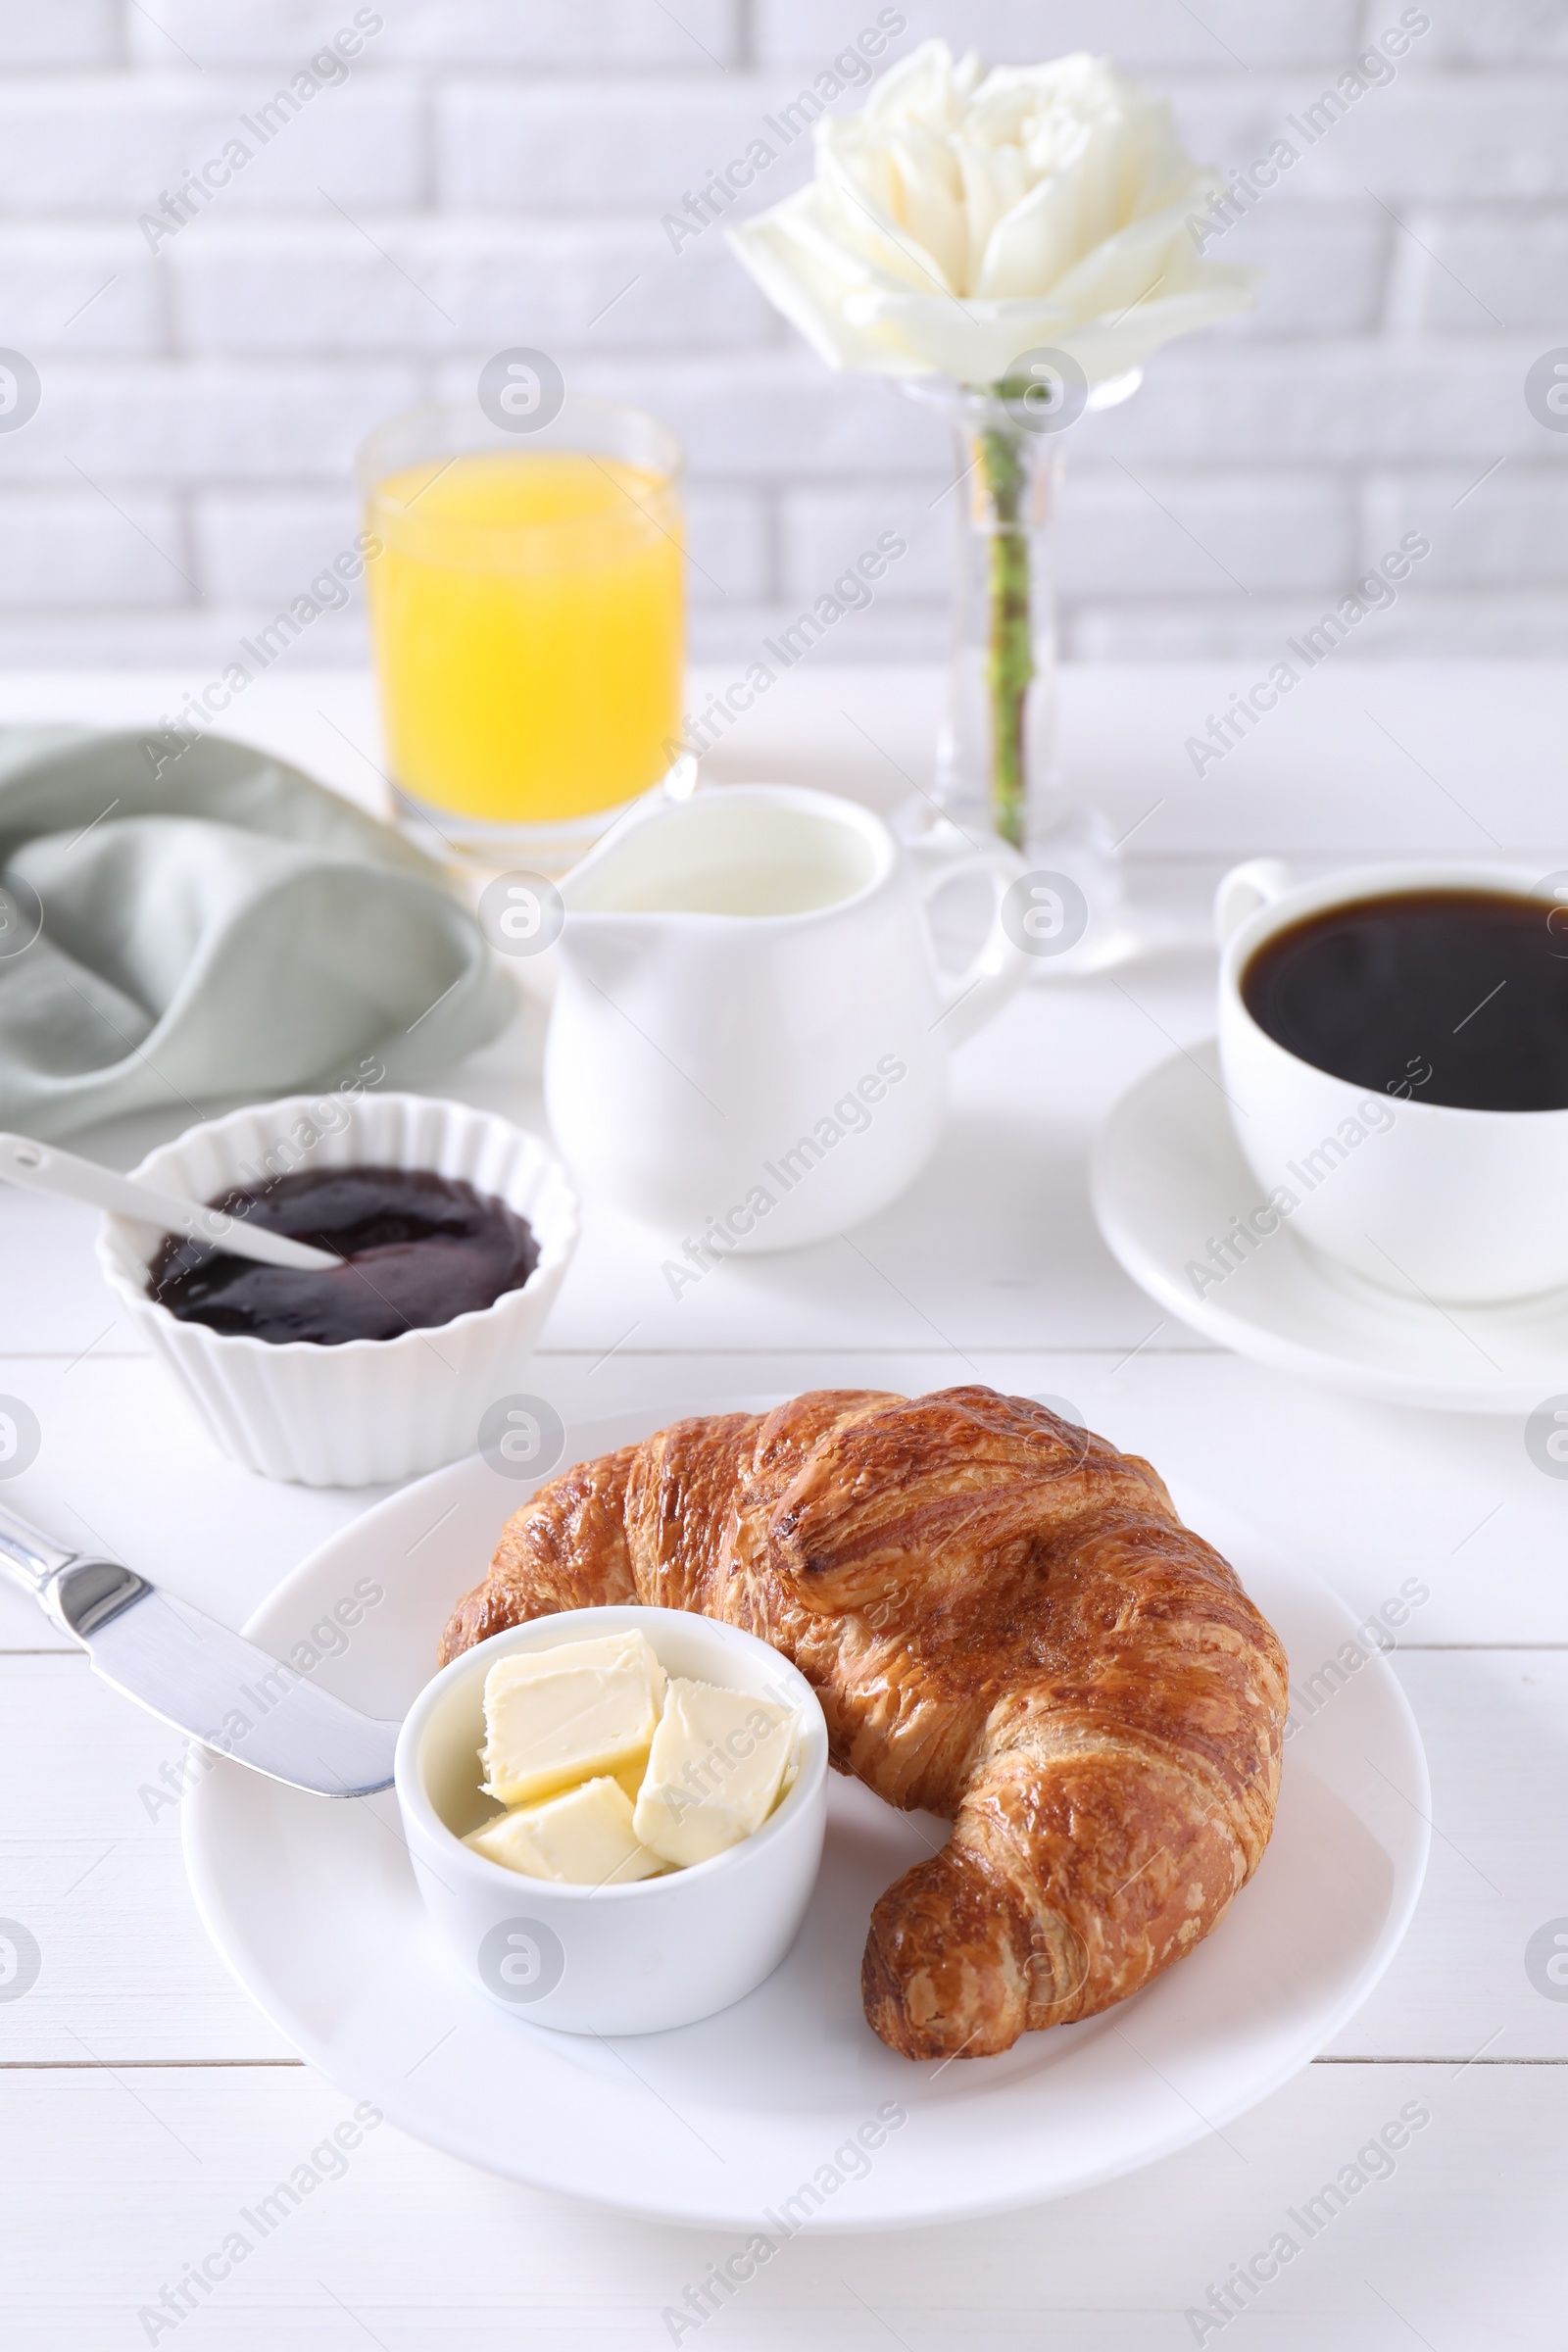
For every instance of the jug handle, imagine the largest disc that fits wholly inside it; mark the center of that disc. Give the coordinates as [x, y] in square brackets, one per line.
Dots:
[971, 997]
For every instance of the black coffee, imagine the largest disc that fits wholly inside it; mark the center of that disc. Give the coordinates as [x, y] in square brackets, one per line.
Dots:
[1457, 997]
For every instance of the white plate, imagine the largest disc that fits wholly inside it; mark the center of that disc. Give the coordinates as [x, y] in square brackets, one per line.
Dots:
[1168, 1175]
[313, 1904]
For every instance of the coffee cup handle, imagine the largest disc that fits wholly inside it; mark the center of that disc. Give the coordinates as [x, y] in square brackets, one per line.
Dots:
[971, 997]
[1247, 887]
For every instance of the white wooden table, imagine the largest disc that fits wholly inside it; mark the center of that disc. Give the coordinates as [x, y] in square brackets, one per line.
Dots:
[145, 2101]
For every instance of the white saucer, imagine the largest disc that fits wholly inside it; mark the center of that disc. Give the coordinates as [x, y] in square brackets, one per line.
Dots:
[1168, 1174]
[313, 1904]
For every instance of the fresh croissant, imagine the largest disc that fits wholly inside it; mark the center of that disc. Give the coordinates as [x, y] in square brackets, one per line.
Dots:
[1007, 1625]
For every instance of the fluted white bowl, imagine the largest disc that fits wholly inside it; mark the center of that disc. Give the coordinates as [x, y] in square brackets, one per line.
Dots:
[368, 1410]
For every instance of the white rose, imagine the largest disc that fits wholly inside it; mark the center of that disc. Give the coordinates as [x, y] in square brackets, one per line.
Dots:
[965, 217]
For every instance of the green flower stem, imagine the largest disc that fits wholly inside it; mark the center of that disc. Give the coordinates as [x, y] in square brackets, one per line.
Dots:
[1011, 667]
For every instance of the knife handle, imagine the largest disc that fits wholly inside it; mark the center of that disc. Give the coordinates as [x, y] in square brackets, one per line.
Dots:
[79, 1593]
[28, 1557]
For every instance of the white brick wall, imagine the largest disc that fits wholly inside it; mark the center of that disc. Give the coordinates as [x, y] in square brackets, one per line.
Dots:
[494, 171]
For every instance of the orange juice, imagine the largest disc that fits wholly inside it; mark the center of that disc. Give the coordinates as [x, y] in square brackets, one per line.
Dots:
[527, 617]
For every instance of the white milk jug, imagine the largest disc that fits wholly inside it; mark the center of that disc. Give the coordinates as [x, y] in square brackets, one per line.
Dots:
[750, 1031]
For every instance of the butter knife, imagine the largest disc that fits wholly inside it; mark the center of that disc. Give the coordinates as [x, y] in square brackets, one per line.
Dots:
[209, 1682]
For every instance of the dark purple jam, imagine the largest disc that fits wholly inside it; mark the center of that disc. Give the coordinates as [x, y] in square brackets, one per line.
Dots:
[417, 1250]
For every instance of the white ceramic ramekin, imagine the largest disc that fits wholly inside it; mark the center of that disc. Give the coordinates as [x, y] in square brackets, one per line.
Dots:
[634, 1959]
[368, 1411]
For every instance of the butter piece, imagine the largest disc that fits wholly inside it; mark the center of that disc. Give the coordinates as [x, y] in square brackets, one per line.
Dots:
[581, 1838]
[553, 1717]
[714, 1772]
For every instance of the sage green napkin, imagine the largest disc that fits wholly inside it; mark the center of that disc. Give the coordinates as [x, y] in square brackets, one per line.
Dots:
[213, 925]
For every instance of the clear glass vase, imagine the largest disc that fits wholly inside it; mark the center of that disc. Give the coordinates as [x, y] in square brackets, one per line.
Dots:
[998, 764]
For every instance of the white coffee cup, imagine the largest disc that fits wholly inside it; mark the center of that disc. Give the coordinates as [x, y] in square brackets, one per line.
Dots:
[1425, 1199]
[749, 1041]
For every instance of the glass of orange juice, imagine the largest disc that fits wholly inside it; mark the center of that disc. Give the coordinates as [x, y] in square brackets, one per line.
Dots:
[527, 617]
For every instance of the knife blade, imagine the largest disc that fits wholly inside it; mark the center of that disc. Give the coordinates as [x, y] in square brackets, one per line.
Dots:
[207, 1681]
